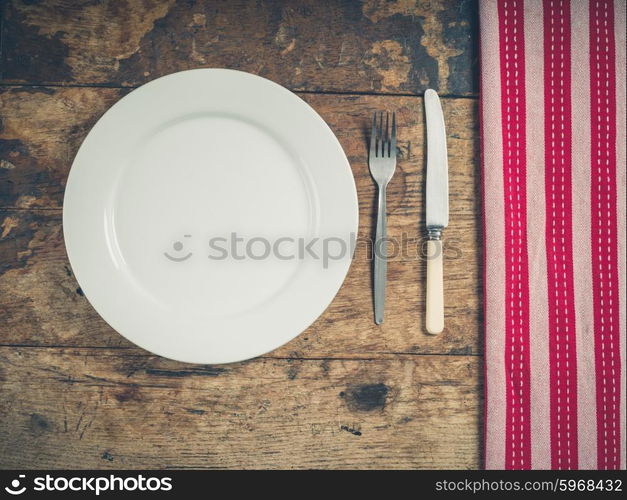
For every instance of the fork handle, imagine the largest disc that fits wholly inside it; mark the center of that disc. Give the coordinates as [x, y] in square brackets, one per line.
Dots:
[380, 257]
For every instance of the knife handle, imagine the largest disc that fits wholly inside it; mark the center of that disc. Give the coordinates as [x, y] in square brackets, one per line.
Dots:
[435, 288]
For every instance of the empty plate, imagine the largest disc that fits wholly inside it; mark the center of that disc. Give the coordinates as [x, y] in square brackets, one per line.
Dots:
[210, 215]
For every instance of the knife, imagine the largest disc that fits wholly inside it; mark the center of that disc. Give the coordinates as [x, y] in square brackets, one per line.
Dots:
[437, 210]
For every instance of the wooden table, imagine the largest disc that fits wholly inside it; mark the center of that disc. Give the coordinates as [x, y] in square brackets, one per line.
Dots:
[344, 394]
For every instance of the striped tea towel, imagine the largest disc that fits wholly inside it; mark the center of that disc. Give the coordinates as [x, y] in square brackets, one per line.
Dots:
[553, 140]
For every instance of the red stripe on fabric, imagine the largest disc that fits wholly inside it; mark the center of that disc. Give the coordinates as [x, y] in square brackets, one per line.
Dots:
[604, 232]
[559, 249]
[518, 414]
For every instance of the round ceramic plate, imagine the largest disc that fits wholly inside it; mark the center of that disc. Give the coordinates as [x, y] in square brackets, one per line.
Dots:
[209, 216]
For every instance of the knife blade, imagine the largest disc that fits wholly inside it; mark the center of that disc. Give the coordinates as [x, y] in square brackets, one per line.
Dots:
[437, 210]
[437, 165]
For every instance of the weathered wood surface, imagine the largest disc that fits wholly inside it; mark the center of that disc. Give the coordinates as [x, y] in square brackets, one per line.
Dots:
[40, 298]
[43, 127]
[343, 394]
[332, 45]
[114, 409]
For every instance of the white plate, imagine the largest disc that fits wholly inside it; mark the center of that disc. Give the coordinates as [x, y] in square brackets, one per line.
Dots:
[183, 161]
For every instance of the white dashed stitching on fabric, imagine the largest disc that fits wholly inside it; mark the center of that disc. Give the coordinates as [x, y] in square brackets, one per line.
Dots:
[605, 274]
[563, 368]
[515, 232]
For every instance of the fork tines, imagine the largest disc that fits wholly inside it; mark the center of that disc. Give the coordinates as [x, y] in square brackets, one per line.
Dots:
[381, 144]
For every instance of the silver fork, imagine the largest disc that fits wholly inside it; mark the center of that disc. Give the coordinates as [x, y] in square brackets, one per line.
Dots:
[382, 163]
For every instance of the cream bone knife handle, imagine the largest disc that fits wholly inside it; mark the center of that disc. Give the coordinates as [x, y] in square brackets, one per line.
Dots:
[435, 287]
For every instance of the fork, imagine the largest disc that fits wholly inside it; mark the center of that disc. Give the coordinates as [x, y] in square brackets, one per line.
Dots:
[382, 163]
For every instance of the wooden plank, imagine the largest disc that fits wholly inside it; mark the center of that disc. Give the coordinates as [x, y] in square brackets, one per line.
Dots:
[332, 45]
[67, 408]
[43, 127]
[43, 305]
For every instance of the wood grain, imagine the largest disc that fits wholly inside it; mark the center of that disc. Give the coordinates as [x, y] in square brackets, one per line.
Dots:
[97, 408]
[345, 393]
[331, 45]
[43, 304]
[43, 127]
